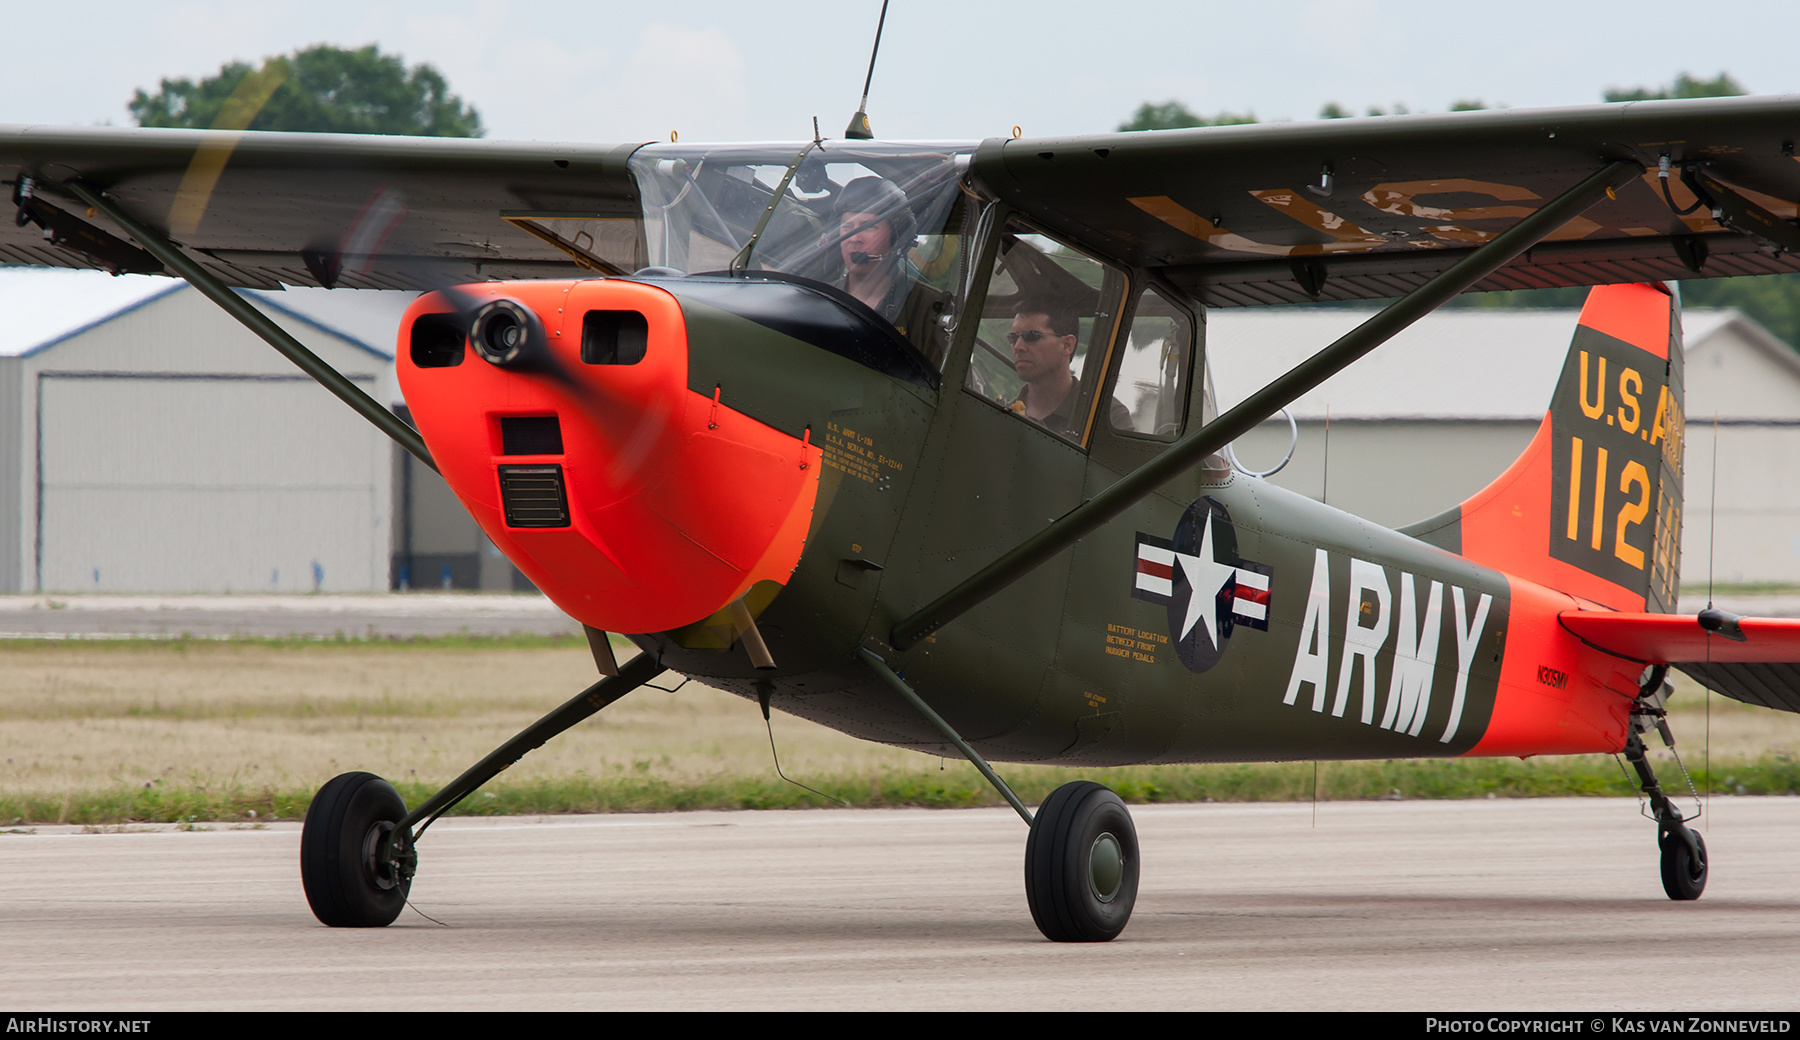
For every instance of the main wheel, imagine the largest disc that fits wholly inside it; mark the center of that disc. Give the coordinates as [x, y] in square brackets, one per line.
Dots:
[339, 843]
[1081, 864]
[1683, 875]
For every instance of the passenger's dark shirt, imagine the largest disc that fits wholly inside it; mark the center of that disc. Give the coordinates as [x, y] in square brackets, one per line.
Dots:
[1062, 419]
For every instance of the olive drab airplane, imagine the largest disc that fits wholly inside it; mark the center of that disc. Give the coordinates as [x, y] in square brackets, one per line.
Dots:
[916, 440]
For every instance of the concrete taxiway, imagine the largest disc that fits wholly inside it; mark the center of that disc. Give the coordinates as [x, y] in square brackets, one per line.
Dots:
[1541, 904]
[376, 615]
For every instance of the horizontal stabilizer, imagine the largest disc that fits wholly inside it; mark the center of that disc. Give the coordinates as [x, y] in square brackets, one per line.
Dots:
[1762, 668]
[1680, 638]
[1774, 685]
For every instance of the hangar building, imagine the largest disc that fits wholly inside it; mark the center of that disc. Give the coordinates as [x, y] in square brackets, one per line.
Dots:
[1431, 417]
[149, 443]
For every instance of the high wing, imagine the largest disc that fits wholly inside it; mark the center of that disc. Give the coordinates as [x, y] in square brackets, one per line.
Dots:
[260, 209]
[1243, 215]
[1360, 208]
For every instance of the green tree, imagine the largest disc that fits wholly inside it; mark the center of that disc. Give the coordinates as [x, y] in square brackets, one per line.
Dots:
[1685, 86]
[1173, 115]
[322, 89]
[1333, 110]
[1773, 300]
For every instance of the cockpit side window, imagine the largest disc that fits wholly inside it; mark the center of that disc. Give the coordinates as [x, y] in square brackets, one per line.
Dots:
[1045, 332]
[1154, 367]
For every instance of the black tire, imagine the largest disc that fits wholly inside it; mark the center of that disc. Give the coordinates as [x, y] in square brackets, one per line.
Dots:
[344, 824]
[1682, 876]
[1081, 864]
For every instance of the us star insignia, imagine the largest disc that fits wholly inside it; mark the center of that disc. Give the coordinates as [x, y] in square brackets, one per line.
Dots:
[1208, 588]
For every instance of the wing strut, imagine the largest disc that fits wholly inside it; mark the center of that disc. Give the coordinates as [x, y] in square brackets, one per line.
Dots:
[1214, 436]
[256, 321]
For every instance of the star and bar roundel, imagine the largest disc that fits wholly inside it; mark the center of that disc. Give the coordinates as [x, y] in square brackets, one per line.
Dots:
[1208, 588]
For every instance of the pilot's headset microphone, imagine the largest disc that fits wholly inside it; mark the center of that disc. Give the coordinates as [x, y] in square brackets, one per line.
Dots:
[880, 196]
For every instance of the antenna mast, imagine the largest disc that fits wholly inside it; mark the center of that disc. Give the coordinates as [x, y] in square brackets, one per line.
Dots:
[858, 130]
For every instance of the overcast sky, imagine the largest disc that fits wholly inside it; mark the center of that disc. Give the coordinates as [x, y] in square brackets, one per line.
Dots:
[756, 71]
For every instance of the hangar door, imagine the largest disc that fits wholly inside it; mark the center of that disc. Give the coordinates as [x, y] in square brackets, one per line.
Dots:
[196, 483]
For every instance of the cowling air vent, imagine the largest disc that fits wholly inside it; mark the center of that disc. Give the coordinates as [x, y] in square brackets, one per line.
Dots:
[533, 496]
[614, 337]
[437, 341]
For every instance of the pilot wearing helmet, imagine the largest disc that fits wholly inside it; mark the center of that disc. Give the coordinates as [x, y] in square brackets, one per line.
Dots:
[875, 229]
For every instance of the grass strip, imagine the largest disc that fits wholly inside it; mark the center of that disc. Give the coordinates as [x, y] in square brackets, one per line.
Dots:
[955, 786]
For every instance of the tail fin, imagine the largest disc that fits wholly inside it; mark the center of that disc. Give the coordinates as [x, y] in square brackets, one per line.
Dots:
[1593, 506]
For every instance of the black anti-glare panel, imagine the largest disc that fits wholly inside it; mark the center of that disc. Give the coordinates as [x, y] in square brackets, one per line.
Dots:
[825, 316]
[533, 496]
[530, 435]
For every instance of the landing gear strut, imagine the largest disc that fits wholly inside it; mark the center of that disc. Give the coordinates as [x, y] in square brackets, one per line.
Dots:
[358, 850]
[1081, 860]
[1683, 851]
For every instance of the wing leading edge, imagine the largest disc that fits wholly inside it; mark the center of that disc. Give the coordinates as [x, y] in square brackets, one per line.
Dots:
[261, 209]
[1362, 208]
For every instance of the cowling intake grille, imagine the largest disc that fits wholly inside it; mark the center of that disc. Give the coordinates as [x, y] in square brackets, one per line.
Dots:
[533, 496]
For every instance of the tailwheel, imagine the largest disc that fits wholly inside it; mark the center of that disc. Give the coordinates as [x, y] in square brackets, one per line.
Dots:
[355, 873]
[1683, 867]
[1683, 853]
[1081, 864]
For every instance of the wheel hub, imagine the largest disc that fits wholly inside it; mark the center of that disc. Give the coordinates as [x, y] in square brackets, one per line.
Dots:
[387, 861]
[1106, 867]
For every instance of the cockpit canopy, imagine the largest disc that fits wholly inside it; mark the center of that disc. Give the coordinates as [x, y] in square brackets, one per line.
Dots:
[704, 204]
[802, 213]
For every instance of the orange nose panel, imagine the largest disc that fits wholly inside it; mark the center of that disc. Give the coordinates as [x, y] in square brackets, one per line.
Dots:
[634, 503]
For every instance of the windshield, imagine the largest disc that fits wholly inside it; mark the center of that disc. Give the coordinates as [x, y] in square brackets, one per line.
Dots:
[881, 221]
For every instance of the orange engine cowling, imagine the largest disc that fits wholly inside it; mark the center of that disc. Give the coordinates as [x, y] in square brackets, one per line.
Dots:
[560, 414]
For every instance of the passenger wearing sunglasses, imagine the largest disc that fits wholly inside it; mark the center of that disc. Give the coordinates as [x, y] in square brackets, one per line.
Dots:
[1043, 339]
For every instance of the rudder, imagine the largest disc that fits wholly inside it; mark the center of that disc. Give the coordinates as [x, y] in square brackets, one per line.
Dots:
[1593, 505]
